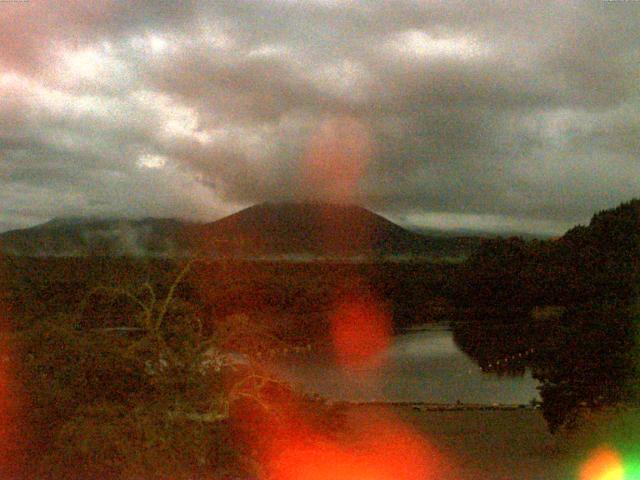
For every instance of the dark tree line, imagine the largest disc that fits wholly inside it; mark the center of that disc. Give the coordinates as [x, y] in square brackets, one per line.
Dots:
[573, 300]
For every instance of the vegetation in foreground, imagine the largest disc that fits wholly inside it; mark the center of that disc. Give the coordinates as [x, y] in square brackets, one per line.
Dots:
[157, 396]
[80, 325]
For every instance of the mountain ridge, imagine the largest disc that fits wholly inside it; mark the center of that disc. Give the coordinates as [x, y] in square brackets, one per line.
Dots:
[266, 229]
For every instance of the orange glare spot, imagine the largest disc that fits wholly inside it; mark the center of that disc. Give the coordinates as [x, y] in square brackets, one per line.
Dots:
[603, 464]
[383, 449]
[337, 158]
[11, 436]
[7, 420]
[360, 331]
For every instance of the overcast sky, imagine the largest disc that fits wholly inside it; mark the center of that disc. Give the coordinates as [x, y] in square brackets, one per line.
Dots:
[500, 115]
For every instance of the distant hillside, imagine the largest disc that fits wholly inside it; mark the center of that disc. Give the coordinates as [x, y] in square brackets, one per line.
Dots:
[71, 237]
[484, 234]
[306, 230]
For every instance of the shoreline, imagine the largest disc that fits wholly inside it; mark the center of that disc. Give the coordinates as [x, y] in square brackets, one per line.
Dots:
[438, 407]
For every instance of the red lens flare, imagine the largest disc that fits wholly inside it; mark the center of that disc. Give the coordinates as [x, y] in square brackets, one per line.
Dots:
[603, 464]
[376, 446]
[337, 157]
[11, 435]
[360, 332]
[9, 426]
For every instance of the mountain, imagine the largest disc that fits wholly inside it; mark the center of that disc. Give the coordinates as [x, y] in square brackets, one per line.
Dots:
[325, 229]
[265, 230]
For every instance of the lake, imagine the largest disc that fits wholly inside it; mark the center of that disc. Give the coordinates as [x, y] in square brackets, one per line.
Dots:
[421, 366]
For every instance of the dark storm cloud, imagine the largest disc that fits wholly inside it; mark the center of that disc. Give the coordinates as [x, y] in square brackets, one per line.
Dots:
[524, 113]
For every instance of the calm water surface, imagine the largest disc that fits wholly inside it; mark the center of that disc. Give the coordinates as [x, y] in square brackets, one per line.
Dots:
[422, 366]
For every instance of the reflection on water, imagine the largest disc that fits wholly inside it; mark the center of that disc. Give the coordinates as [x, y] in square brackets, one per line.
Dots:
[422, 366]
